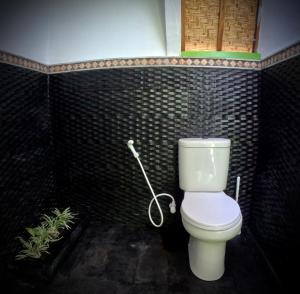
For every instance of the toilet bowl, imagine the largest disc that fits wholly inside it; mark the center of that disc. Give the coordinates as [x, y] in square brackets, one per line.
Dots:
[209, 215]
[211, 218]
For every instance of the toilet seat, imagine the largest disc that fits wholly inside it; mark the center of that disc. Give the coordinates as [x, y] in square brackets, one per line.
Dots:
[214, 211]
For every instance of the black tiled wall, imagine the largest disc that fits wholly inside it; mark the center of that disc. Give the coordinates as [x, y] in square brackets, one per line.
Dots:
[94, 113]
[276, 199]
[26, 177]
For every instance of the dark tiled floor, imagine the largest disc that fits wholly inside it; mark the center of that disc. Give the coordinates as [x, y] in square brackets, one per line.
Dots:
[121, 259]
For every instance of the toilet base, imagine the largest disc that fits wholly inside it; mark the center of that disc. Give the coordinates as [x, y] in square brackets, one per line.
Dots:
[207, 258]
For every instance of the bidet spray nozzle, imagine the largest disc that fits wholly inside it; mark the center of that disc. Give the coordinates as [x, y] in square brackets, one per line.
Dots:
[172, 206]
[130, 146]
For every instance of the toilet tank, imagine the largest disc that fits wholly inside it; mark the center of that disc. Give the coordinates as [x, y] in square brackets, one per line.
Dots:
[203, 164]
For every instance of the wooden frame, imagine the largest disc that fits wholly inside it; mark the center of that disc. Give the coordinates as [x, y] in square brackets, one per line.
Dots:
[221, 26]
[257, 28]
[182, 25]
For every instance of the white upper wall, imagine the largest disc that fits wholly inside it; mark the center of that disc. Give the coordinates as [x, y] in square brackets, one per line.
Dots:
[61, 31]
[23, 28]
[173, 27]
[280, 25]
[82, 30]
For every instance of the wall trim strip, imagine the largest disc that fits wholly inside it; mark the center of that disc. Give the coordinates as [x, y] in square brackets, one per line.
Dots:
[150, 62]
[23, 62]
[282, 55]
[154, 62]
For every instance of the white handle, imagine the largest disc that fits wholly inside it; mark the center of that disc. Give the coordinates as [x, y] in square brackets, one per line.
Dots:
[237, 189]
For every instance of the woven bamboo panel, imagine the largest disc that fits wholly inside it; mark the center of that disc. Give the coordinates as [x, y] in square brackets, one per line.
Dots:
[200, 24]
[239, 25]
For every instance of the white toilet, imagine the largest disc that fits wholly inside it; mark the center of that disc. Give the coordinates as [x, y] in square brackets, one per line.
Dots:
[209, 215]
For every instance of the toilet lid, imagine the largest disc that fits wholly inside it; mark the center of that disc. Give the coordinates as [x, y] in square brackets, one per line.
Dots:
[210, 210]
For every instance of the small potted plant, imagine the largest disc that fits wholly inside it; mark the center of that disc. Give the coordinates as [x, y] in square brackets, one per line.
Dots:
[45, 246]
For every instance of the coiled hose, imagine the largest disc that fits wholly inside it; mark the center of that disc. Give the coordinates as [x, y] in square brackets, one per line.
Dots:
[172, 205]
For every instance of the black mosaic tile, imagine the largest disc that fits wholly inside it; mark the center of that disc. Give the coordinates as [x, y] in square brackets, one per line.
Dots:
[94, 113]
[98, 264]
[276, 201]
[26, 172]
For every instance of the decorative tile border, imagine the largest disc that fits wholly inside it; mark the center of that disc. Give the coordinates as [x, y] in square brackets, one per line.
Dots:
[23, 62]
[282, 55]
[153, 62]
[150, 62]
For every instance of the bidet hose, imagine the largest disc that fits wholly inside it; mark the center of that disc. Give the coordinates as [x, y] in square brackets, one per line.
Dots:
[172, 205]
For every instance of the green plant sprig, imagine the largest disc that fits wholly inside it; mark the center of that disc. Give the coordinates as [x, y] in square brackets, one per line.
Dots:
[47, 232]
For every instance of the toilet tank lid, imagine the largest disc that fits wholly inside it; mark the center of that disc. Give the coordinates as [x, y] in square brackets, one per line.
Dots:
[204, 142]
